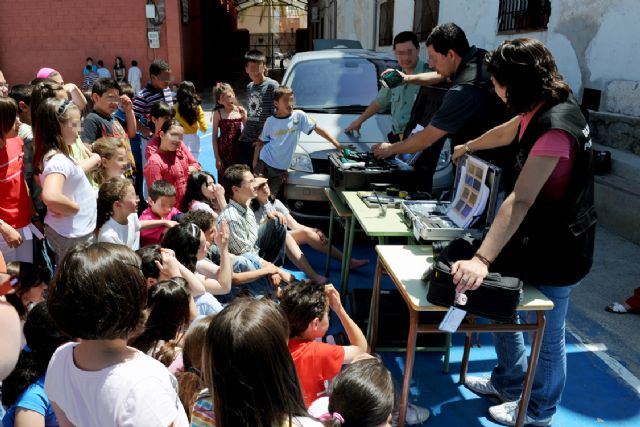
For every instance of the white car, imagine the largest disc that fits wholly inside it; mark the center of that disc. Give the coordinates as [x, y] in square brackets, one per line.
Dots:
[334, 87]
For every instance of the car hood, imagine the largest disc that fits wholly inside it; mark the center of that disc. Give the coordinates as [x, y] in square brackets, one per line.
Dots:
[373, 131]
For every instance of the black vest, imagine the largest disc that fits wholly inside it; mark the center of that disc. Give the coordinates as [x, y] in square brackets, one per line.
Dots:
[472, 72]
[554, 244]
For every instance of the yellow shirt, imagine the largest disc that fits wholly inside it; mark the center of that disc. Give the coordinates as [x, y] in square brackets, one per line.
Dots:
[200, 124]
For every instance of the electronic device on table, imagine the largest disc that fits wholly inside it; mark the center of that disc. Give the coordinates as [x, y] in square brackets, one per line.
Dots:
[476, 181]
[353, 170]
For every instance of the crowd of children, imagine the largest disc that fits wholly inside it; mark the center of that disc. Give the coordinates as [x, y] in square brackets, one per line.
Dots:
[151, 293]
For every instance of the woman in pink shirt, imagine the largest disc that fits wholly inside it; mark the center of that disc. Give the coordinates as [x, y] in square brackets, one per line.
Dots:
[544, 231]
[172, 162]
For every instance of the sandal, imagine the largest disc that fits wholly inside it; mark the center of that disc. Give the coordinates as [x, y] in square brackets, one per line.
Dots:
[617, 308]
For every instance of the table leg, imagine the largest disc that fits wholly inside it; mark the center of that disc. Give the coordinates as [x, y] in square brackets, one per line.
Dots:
[465, 357]
[447, 353]
[408, 366]
[372, 329]
[329, 242]
[531, 369]
[346, 260]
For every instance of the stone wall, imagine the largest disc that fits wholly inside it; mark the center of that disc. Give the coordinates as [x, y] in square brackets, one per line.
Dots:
[616, 130]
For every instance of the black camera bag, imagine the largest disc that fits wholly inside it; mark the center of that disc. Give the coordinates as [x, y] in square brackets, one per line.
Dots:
[496, 298]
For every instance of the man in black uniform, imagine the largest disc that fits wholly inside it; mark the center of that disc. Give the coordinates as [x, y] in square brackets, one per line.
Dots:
[470, 106]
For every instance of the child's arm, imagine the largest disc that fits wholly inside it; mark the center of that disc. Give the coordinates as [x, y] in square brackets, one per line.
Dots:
[243, 114]
[77, 97]
[152, 223]
[221, 239]
[214, 137]
[207, 270]
[323, 133]
[54, 198]
[256, 152]
[89, 164]
[132, 125]
[171, 267]
[356, 337]
[202, 122]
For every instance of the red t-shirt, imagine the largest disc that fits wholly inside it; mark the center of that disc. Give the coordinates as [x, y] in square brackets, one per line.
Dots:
[172, 167]
[15, 208]
[316, 362]
[153, 235]
[553, 143]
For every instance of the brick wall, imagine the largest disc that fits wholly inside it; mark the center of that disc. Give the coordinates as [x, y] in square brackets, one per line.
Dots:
[61, 33]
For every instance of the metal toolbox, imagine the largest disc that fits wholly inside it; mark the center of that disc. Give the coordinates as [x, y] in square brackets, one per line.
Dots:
[434, 220]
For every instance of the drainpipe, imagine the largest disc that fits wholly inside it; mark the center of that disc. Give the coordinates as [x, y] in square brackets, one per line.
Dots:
[375, 25]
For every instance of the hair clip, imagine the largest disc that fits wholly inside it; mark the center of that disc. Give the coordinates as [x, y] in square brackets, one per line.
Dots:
[63, 107]
[335, 416]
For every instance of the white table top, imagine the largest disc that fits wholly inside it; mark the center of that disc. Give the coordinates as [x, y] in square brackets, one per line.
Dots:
[406, 264]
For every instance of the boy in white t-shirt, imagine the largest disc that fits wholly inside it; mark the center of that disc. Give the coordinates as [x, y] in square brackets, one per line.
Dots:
[280, 136]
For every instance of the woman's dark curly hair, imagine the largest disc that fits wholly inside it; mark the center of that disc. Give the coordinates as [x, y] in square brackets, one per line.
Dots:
[527, 70]
[43, 338]
[188, 102]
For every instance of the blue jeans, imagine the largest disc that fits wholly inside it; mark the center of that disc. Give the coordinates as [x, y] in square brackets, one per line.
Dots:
[259, 287]
[550, 377]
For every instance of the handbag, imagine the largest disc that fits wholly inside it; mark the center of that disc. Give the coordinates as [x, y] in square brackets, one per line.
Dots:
[497, 297]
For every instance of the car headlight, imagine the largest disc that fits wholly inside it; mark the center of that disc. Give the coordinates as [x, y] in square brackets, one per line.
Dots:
[301, 162]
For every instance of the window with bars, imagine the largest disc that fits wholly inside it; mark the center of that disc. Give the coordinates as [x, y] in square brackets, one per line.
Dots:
[385, 25]
[523, 15]
[425, 17]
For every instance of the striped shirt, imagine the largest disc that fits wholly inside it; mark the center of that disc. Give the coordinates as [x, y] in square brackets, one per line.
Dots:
[260, 107]
[243, 228]
[148, 96]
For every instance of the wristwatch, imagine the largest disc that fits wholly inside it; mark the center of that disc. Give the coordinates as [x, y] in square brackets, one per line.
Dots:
[467, 149]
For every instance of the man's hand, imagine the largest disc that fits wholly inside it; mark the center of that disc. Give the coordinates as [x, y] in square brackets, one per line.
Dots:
[169, 224]
[403, 75]
[11, 235]
[353, 127]
[383, 150]
[275, 280]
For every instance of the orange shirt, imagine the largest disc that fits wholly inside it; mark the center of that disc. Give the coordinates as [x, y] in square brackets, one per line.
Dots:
[15, 208]
[316, 362]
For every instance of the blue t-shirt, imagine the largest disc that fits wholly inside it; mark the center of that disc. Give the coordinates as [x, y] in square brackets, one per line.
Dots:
[34, 399]
[280, 136]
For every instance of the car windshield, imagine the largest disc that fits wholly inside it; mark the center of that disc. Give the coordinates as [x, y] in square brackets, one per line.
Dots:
[336, 83]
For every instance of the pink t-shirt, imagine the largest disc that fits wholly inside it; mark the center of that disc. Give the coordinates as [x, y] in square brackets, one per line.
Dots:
[152, 236]
[553, 143]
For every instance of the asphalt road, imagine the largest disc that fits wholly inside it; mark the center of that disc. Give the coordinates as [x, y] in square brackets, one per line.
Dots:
[614, 276]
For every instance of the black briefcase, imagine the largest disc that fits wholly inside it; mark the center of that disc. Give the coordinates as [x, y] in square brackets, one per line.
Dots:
[496, 298]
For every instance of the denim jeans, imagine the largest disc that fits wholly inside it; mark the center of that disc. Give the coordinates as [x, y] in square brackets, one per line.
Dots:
[550, 377]
[259, 287]
[271, 241]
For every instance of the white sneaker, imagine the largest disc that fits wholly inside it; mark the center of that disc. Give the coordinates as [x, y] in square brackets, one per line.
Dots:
[484, 386]
[416, 414]
[507, 414]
